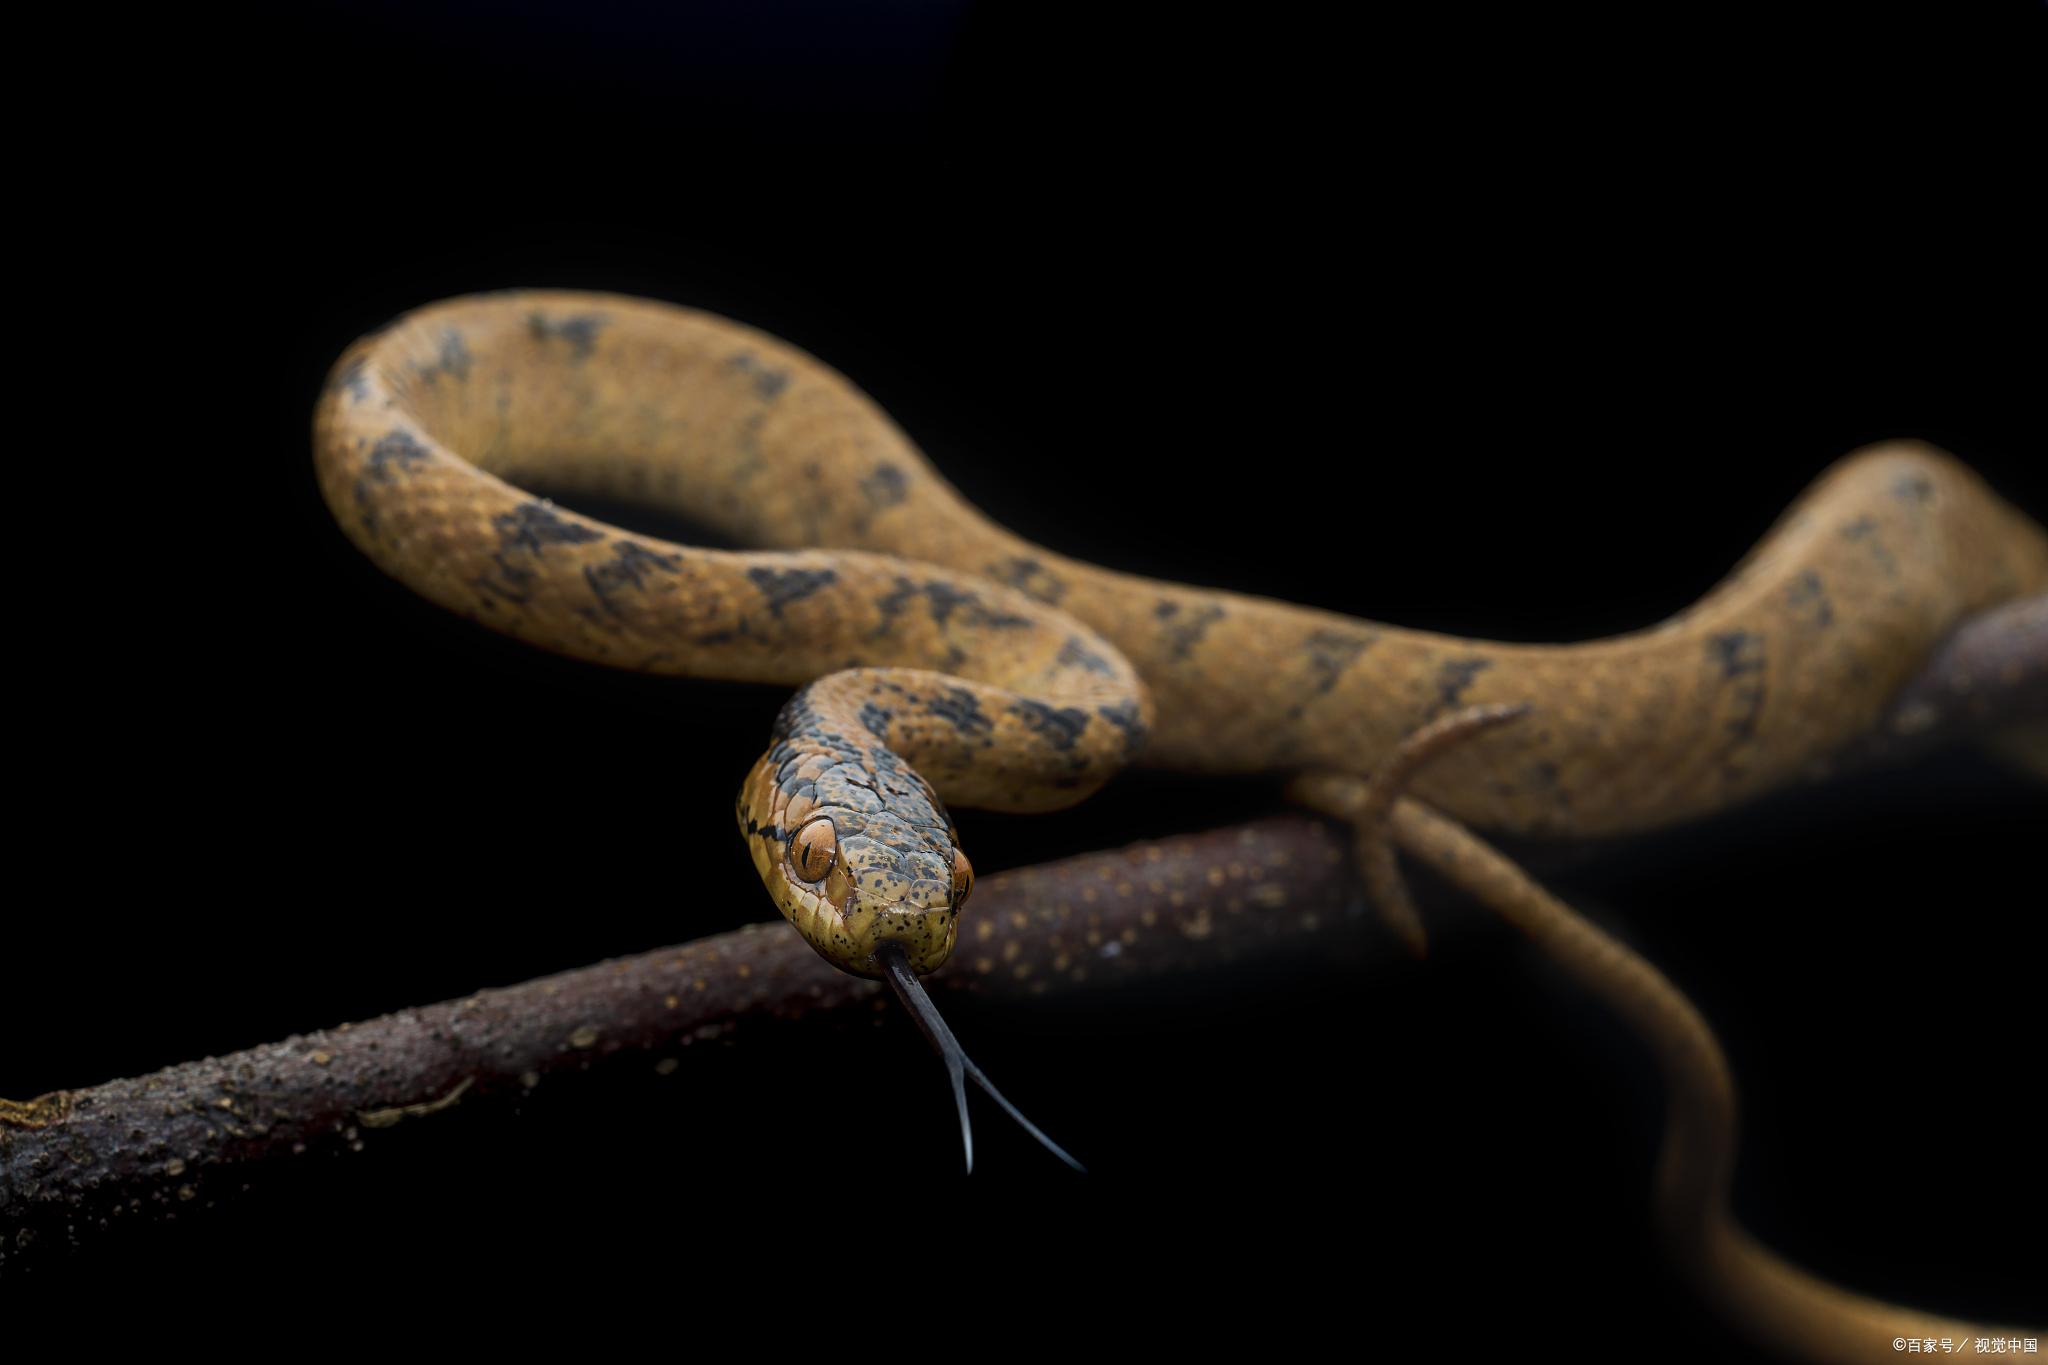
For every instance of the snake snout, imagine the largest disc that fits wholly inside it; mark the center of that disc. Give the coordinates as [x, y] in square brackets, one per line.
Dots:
[926, 933]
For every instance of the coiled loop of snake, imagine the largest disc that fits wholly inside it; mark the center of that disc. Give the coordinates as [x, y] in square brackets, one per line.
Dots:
[918, 684]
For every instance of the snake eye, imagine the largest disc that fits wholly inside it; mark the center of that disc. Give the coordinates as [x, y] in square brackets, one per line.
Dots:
[812, 850]
[963, 877]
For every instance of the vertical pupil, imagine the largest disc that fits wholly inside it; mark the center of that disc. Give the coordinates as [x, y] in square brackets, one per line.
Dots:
[815, 846]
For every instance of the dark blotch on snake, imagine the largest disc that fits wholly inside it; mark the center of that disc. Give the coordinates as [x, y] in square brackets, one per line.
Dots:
[452, 359]
[628, 567]
[1124, 715]
[769, 382]
[1453, 677]
[1061, 726]
[1808, 599]
[1074, 654]
[958, 706]
[1187, 632]
[1736, 652]
[886, 487]
[784, 586]
[579, 330]
[1029, 577]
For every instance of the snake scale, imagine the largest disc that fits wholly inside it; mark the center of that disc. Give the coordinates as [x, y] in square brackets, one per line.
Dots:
[942, 659]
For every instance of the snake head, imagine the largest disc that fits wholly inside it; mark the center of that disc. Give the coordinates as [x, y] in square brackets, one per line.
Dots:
[851, 870]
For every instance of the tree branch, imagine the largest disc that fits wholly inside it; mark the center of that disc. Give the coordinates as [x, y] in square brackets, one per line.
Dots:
[1988, 679]
[74, 1164]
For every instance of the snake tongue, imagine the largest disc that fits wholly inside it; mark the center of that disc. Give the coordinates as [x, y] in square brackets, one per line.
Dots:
[960, 1068]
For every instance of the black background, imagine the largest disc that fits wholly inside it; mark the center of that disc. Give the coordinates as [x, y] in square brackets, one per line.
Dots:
[1521, 323]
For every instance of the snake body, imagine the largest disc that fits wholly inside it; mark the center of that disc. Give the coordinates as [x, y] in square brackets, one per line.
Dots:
[944, 659]
[595, 395]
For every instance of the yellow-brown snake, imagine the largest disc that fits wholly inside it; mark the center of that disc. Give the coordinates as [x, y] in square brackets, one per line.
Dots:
[942, 659]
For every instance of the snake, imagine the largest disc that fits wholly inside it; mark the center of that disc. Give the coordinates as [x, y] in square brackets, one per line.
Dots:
[943, 661]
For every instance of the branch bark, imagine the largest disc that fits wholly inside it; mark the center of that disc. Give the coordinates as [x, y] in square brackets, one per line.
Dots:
[76, 1164]
[1988, 680]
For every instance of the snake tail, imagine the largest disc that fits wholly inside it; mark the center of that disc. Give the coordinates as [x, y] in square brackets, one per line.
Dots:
[1782, 1306]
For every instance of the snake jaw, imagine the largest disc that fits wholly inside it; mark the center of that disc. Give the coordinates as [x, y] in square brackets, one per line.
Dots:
[851, 929]
[851, 938]
[925, 934]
